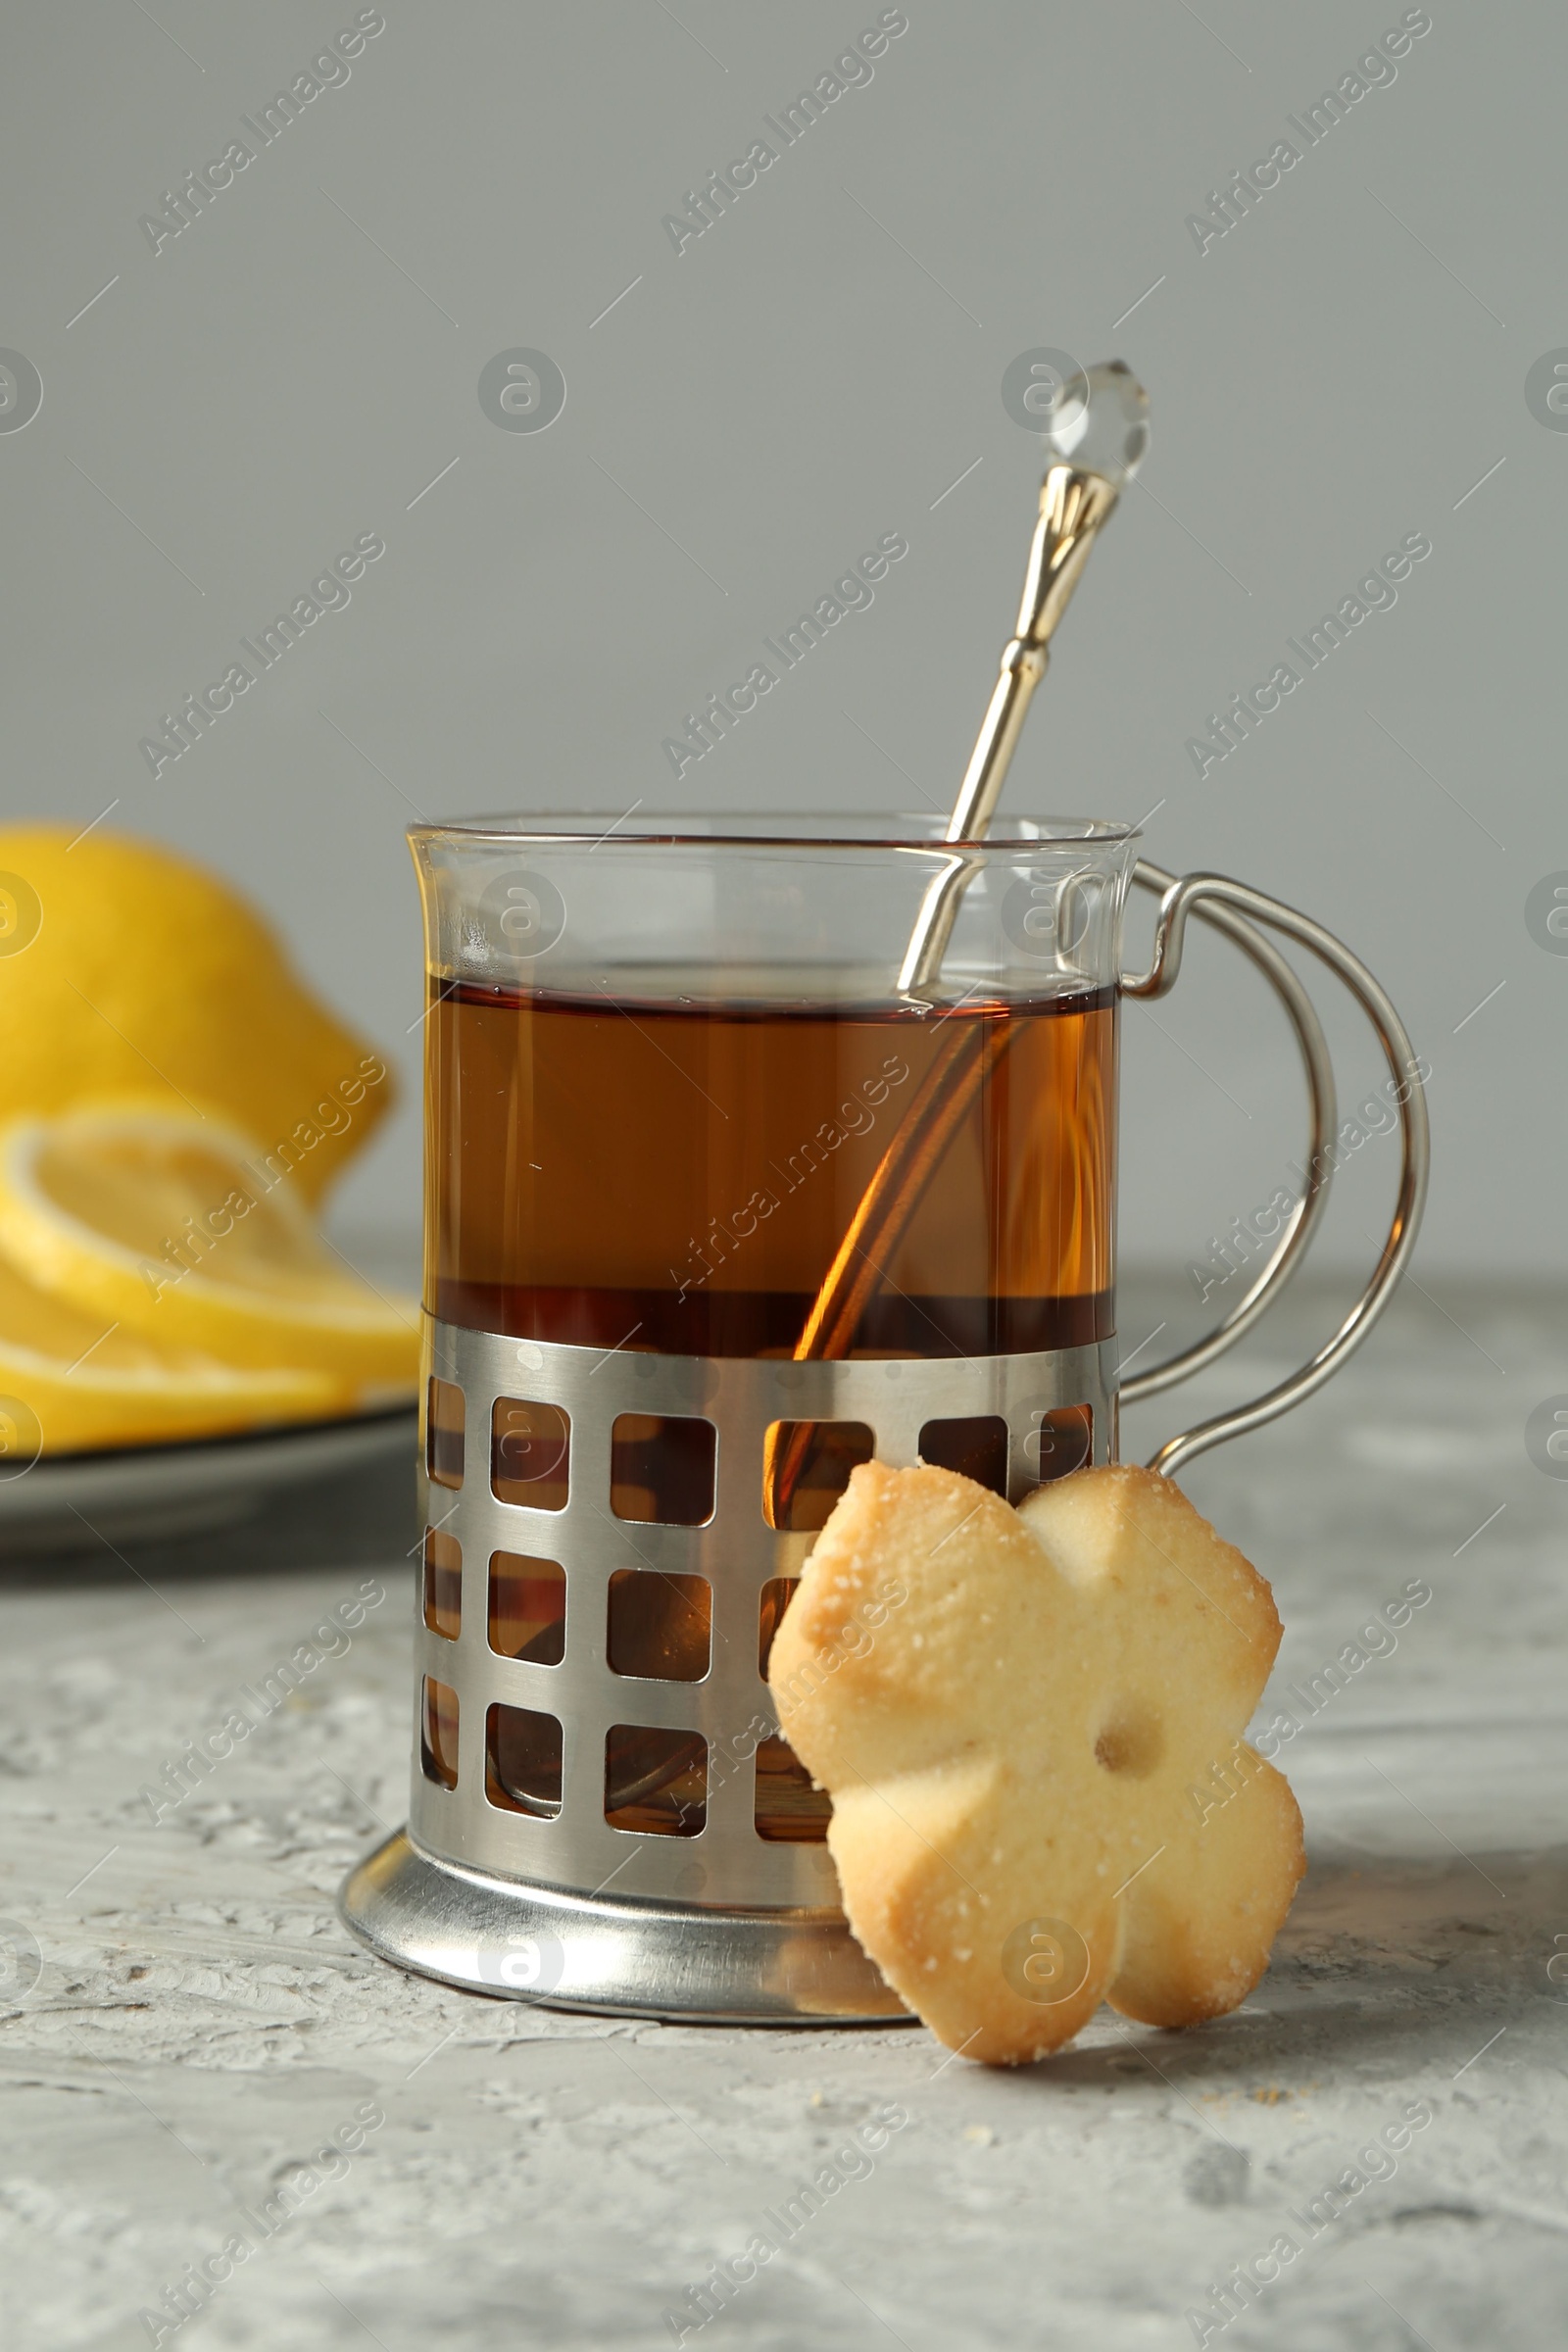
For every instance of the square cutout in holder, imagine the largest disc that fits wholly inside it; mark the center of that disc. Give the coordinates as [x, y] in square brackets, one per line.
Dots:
[976, 1446]
[1056, 1444]
[443, 1584]
[443, 1432]
[527, 1608]
[655, 1781]
[777, 1593]
[661, 1626]
[438, 1734]
[813, 1462]
[662, 1469]
[522, 1752]
[530, 1453]
[788, 1810]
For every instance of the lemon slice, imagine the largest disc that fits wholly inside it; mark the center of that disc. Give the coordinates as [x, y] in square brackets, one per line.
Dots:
[175, 1228]
[69, 1384]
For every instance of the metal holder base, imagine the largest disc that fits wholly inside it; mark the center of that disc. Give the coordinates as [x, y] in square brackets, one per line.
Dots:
[538, 1894]
[674, 1961]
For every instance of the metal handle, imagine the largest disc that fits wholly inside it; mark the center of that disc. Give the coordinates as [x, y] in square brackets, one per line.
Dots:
[1228, 908]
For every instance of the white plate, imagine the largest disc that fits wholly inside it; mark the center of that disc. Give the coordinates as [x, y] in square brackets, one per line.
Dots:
[143, 1494]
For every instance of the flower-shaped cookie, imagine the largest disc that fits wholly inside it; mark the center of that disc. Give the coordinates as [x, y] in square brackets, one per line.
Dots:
[1031, 1725]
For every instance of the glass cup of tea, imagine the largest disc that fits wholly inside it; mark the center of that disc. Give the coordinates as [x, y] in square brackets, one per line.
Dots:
[714, 1210]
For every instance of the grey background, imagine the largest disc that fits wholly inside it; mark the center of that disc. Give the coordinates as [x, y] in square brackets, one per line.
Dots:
[815, 371]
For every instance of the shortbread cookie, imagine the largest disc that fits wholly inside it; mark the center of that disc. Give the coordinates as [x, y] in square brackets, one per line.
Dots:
[1042, 1799]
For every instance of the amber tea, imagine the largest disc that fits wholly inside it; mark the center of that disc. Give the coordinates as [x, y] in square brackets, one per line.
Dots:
[660, 1173]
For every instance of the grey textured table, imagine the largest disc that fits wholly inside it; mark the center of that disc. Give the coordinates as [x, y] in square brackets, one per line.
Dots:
[202, 2027]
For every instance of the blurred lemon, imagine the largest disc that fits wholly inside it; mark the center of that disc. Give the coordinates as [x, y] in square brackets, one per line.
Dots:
[170, 1227]
[69, 1383]
[125, 968]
